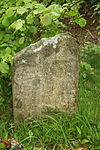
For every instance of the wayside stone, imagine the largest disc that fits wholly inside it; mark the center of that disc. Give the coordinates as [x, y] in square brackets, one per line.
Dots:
[45, 76]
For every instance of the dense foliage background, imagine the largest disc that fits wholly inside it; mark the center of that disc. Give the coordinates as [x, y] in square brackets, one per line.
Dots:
[26, 21]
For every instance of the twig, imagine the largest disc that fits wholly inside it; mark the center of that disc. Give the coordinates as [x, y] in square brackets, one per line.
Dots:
[90, 34]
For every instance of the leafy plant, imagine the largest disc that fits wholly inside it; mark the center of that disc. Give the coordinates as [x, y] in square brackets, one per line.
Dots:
[72, 11]
[86, 69]
[97, 13]
[90, 54]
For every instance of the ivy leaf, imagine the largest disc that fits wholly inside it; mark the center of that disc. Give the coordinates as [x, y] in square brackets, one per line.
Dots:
[4, 68]
[81, 22]
[9, 12]
[46, 19]
[21, 10]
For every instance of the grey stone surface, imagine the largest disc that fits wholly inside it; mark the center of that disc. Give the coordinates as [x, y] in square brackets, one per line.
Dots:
[45, 76]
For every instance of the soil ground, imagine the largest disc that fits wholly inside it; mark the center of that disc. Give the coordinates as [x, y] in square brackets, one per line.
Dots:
[89, 32]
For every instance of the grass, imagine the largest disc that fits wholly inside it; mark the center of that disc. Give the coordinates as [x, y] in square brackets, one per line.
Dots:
[60, 131]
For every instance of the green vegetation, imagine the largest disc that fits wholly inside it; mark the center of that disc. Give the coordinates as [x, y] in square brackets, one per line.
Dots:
[23, 22]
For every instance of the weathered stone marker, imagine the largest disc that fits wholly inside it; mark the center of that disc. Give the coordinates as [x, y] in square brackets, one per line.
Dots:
[45, 75]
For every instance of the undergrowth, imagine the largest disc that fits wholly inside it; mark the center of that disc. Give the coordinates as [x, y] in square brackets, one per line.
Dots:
[60, 131]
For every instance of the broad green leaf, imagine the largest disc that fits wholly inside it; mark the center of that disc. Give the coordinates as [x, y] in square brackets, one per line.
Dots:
[5, 22]
[28, 5]
[81, 22]
[4, 45]
[55, 15]
[98, 126]
[99, 33]
[40, 8]
[8, 50]
[84, 75]
[72, 13]
[34, 29]
[85, 141]
[27, 1]
[75, 143]
[10, 12]
[21, 40]
[29, 19]
[2, 146]
[98, 27]
[1, 36]
[17, 24]
[2, 11]
[36, 20]
[54, 8]
[6, 37]
[4, 68]
[46, 19]
[21, 10]
[18, 2]
[97, 148]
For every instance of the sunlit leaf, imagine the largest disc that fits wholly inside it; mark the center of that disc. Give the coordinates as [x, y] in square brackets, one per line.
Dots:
[78, 129]
[5, 22]
[21, 40]
[39, 9]
[4, 68]
[2, 146]
[34, 29]
[17, 24]
[8, 50]
[85, 141]
[27, 1]
[81, 22]
[1, 35]
[9, 12]
[46, 19]
[29, 19]
[21, 10]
